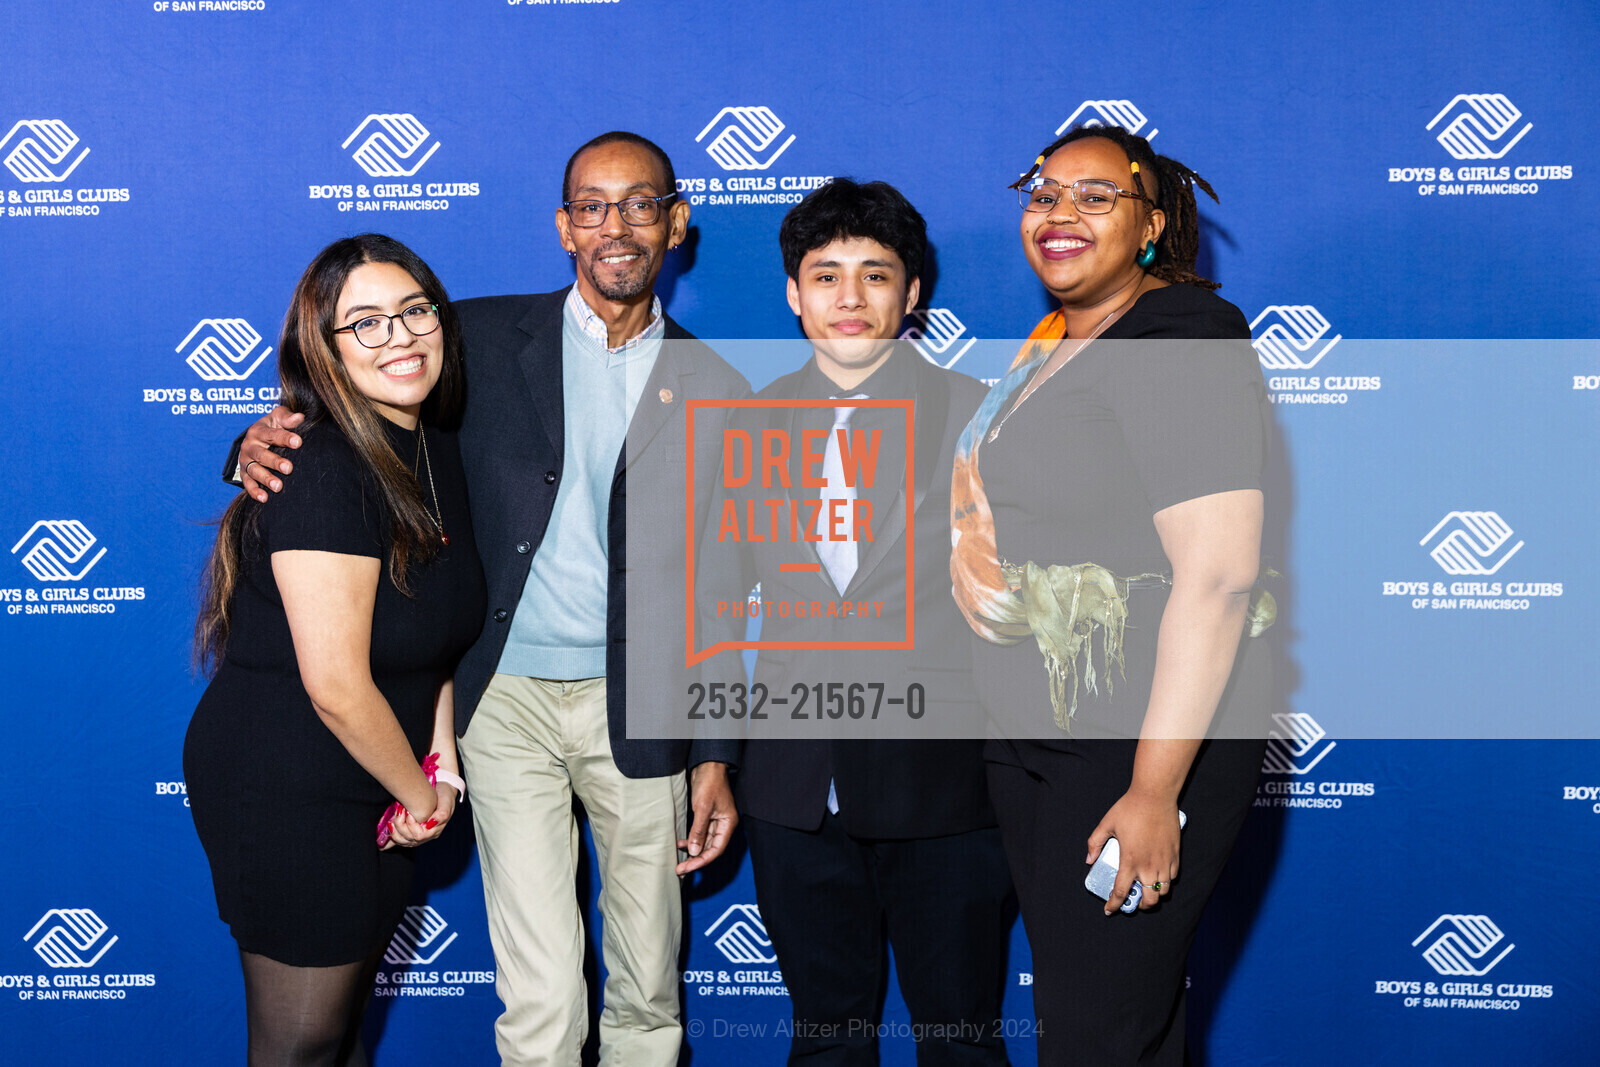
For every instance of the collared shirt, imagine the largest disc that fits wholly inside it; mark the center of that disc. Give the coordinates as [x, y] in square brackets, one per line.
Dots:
[895, 379]
[595, 327]
[559, 629]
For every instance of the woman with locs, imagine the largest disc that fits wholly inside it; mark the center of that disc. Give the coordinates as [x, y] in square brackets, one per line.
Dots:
[333, 616]
[1107, 514]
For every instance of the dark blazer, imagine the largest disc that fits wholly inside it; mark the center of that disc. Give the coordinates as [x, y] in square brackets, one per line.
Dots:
[511, 447]
[887, 788]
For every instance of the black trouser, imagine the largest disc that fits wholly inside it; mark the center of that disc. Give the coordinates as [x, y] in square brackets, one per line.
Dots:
[828, 899]
[1109, 990]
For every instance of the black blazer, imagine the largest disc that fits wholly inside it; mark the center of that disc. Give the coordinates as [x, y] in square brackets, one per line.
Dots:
[511, 447]
[887, 788]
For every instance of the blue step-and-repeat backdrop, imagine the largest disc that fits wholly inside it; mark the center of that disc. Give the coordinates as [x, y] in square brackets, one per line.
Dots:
[1405, 171]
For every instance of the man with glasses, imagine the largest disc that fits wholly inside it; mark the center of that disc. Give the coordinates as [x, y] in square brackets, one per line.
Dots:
[572, 395]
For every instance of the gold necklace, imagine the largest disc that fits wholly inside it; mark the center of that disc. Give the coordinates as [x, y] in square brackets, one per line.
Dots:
[1035, 381]
[436, 514]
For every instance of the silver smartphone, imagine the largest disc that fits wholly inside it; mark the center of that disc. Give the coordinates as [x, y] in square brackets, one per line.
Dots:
[1102, 877]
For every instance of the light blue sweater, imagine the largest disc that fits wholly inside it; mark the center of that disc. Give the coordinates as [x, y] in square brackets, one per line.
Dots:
[559, 629]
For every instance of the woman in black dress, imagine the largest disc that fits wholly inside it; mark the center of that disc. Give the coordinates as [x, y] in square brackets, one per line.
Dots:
[334, 616]
[1108, 494]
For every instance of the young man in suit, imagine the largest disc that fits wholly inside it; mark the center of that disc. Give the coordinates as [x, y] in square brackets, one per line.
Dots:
[851, 840]
[573, 397]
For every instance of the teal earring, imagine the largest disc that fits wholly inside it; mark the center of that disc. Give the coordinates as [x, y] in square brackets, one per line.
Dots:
[1147, 255]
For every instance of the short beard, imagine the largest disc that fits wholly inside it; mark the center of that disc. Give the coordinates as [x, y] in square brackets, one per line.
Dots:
[629, 285]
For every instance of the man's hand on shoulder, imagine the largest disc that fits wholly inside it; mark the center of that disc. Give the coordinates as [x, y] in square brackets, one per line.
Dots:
[256, 451]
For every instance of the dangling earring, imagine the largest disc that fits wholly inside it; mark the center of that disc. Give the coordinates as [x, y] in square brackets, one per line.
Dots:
[1146, 256]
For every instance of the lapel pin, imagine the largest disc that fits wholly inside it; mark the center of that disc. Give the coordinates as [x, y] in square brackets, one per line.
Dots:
[666, 396]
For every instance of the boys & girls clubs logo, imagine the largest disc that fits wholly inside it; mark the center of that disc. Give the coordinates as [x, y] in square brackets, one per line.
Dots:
[72, 942]
[57, 553]
[391, 149]
[41, 154]
[1478, 130]
[1461, 949]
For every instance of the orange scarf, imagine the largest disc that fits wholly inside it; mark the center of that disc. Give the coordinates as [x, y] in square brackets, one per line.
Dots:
[981, 591]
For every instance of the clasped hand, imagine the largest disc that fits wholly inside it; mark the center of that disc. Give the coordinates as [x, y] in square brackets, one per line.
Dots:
[407, 830]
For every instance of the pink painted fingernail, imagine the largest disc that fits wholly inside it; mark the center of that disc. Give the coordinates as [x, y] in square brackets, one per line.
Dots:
[430, 824]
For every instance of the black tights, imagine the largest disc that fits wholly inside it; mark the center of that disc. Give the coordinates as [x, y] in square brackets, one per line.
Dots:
[306, 1016]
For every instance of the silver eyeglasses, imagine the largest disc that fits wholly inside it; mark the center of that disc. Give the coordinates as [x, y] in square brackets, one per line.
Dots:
[634, 210]
[1092, 196]
[374, 331]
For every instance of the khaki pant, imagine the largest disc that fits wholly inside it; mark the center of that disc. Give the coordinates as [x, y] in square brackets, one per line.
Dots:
[531, 747]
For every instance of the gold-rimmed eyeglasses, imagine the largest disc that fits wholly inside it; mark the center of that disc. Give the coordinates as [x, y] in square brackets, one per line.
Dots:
[1092, 196]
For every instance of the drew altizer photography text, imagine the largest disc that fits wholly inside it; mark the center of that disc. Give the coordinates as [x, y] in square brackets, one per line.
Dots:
[773, 491]
[837, 519]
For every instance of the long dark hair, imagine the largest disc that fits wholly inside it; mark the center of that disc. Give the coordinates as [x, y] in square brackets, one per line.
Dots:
[316, 383]
[1179, 244]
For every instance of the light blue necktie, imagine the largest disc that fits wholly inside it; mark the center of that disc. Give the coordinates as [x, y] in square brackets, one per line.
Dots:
[839, 557]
